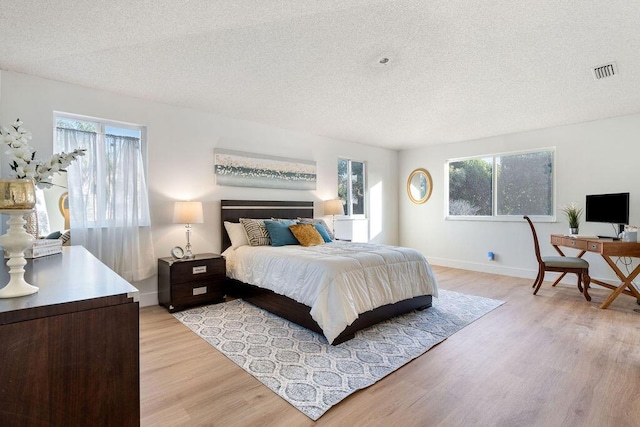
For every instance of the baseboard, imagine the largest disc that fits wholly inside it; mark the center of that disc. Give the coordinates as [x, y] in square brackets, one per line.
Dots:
[148, 299]
[508, 271]
[484, 268]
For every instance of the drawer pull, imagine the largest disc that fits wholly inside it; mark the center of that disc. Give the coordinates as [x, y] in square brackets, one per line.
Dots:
[199, 270]
[573, 243]
[200, 291]
[594, 246]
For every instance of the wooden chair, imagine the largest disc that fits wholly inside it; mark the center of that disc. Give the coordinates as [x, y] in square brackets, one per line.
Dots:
[561, 264]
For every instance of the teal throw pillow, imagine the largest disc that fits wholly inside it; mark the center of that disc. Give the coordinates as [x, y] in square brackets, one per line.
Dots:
[280, 233]
[323, 232]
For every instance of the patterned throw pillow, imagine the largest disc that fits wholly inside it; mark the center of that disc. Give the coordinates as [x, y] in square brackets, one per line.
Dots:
[321, 222]
[257, 233]
[306, 234]
[66, 238]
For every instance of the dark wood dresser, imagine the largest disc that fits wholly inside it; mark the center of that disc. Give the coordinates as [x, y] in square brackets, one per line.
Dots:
[70, 353]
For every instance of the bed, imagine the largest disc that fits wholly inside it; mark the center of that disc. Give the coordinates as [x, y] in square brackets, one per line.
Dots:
[317, 308]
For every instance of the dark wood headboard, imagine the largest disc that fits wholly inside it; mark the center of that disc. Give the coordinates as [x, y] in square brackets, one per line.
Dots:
[233, 210]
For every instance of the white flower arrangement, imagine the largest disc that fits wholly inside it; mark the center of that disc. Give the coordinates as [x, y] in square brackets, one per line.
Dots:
[22, 157]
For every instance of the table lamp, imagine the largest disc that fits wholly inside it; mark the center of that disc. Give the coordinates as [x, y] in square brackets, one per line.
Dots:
[188, 213]
[333, 207]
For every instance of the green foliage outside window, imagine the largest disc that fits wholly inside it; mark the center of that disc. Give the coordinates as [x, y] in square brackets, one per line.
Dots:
[351, 186]
[524, 185]
[470, 183]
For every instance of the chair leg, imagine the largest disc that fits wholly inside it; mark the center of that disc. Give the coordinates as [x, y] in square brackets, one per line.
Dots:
[540, 280]
[580, 282]
[538, 277]
[586, 281]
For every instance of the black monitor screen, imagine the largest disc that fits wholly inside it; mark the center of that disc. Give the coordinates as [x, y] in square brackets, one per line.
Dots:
[613, 208]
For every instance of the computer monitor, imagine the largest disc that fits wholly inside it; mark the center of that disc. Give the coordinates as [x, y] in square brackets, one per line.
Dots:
[611, 208]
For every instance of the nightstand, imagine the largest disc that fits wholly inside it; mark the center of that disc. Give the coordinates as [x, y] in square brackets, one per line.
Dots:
[184, 283]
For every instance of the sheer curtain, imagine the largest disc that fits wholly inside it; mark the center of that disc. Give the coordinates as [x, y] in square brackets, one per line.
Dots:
[108, 202]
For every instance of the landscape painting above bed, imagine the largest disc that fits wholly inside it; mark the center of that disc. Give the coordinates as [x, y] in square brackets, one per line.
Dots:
[336, 288]
[240, 169]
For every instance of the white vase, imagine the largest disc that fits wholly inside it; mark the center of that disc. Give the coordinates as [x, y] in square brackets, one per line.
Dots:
[17, 198]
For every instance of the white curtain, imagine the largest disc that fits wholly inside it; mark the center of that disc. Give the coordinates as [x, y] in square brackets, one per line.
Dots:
[108, 202]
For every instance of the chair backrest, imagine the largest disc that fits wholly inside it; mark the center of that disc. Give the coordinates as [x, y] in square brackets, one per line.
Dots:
[535, 239]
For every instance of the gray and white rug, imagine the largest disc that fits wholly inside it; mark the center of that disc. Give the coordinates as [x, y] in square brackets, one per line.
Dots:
[302, 368]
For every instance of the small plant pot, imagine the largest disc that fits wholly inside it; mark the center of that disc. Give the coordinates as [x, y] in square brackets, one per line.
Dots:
[573, 230]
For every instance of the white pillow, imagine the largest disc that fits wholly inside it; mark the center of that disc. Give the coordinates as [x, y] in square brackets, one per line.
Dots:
[236, 233]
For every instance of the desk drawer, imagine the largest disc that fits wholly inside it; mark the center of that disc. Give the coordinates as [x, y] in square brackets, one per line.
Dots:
[556, 240]
[594, 247]
[575, 243]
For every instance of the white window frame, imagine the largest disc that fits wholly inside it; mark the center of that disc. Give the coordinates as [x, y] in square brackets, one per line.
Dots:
[349, 213]
[494, 189]
[102, 125]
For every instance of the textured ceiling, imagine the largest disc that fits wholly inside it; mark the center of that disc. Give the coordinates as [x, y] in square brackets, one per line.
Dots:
[457, 70]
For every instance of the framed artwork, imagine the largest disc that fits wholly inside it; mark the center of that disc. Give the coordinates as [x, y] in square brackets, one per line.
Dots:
[240, 169]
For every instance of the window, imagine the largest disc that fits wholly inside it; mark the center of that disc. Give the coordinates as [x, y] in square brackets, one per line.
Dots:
[109, 146]
[108, 200]
[503, 185]
[351, 186]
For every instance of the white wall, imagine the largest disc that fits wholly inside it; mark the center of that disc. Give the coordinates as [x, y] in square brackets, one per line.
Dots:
[180, 158]
[596, 157]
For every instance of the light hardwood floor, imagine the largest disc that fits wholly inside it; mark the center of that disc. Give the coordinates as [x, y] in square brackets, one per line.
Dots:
[548, 360]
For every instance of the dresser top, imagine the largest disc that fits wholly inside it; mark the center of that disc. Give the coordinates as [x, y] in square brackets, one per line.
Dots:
[71, 281]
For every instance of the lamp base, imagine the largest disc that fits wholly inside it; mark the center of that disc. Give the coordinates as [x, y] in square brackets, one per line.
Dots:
[188, 255]
[187, 252]
[15, 241]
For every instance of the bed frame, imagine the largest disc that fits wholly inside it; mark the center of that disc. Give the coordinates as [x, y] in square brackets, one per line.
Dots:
[233, 210]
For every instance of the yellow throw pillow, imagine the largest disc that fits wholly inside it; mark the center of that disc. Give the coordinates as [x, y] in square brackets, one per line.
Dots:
[306, 234]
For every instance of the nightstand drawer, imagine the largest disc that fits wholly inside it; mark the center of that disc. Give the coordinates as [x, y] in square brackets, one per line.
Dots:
[191, 282]
[182, 271]
[196, 292]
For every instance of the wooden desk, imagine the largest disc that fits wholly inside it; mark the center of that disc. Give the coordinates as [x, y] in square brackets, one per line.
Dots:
[607, 248]
[70, 352]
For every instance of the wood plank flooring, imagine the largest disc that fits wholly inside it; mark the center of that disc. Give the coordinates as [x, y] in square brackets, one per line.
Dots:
[548, 360]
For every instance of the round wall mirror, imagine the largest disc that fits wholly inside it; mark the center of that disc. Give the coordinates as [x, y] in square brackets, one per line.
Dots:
[419, 186]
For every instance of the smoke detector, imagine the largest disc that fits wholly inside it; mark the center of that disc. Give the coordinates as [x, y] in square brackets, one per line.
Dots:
[381, 61]
[605, 71]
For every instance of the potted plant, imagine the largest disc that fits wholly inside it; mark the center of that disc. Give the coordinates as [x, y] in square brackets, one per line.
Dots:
[573, 214]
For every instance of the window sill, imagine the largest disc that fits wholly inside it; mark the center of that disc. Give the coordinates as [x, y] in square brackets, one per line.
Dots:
[509, 218]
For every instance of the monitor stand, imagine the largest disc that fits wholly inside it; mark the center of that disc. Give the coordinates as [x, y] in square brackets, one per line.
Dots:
[620, 230]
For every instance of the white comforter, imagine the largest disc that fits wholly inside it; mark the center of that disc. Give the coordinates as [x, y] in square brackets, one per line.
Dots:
[337, 280]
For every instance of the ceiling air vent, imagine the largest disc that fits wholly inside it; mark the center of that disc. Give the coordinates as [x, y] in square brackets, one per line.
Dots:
[605, 71]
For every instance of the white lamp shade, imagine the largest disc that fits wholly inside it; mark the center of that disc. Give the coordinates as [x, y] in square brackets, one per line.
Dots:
[188, 213]
[333, 207]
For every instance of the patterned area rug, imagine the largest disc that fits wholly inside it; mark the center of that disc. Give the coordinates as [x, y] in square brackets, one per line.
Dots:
[302, 368]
